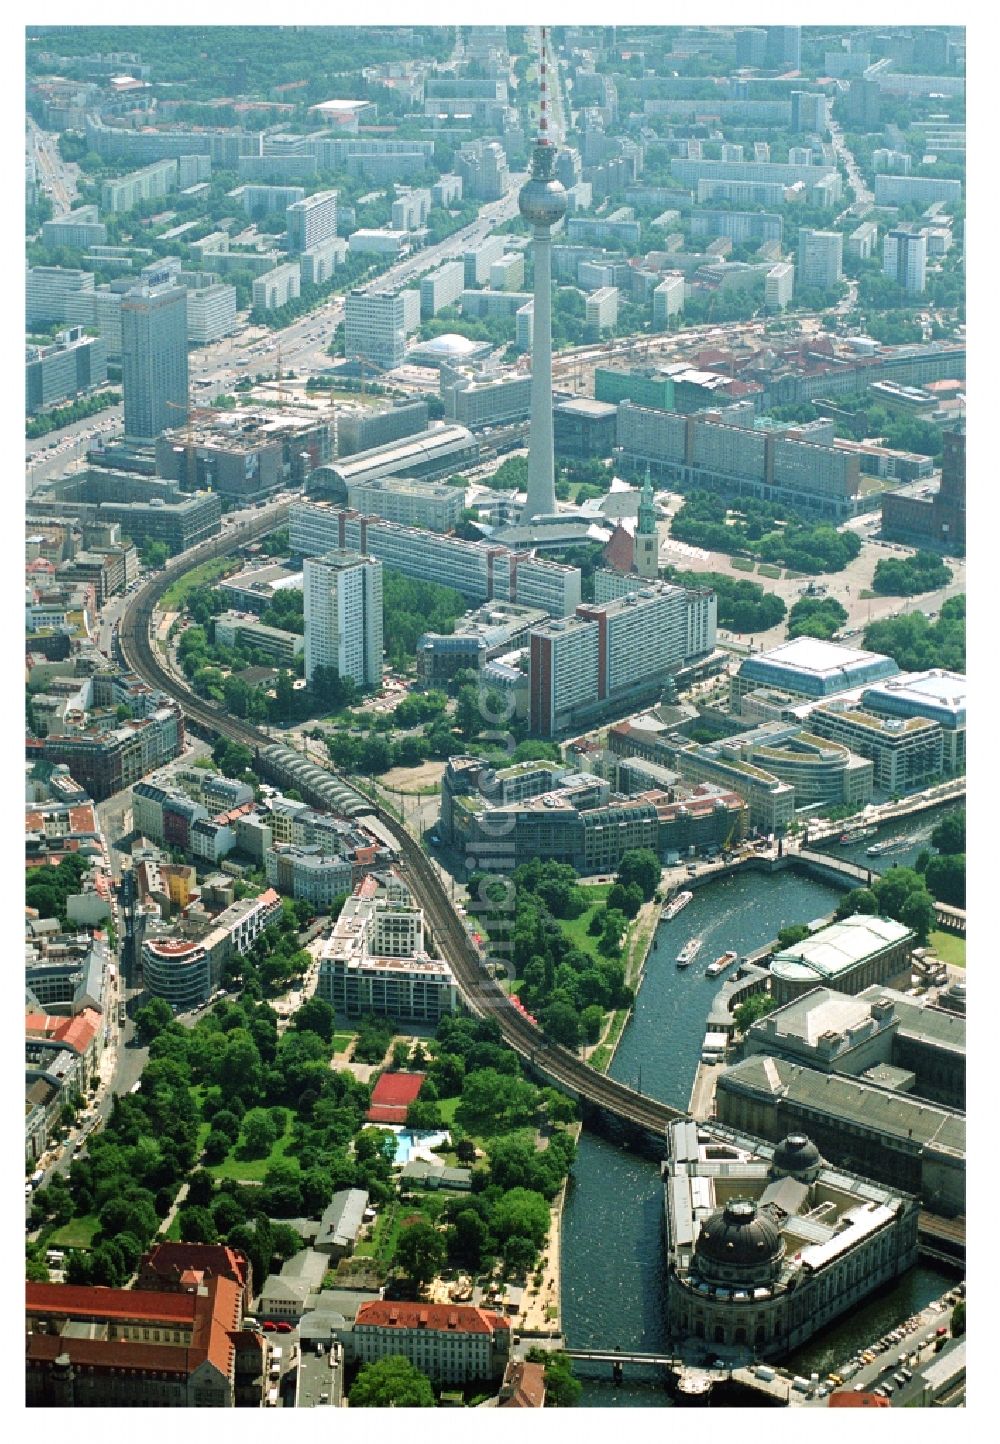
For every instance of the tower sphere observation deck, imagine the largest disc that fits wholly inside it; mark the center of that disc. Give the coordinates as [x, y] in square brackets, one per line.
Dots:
[542, 199]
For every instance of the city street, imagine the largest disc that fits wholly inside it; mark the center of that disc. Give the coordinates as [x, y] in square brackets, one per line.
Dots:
[58, 177]
[921, 1340]
[250, 352]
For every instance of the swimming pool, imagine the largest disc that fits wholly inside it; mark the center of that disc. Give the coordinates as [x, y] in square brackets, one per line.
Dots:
[417, 1143]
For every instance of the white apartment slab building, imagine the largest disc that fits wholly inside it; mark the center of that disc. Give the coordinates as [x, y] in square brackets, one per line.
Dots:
[377, 323]
[481, 572]
[413, 503]
[602, 311]
[276, 287]
[343, 616]
[311, 221]
[779, 283]
[611, 654]
[668, 299]
[904, 259]
[375, 959]
[211, 313]
[821, 255]
[441, 288]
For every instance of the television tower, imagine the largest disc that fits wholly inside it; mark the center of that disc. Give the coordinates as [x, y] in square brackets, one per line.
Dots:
[542, 202]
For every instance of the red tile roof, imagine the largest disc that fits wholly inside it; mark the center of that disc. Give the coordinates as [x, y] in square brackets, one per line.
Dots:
[172, 1260]
[78, 1033]
[111, 1354]
[213, 1316]
[81, 819]
[79, 1301]
[442, 1318]
[386, 1113]
[523, 1386]
[849, 1399]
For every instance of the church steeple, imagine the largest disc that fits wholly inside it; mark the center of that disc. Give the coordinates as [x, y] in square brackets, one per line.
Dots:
[647, 512]
[646, 554]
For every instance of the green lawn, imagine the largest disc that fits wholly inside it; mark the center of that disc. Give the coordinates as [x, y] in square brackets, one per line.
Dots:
[178, 592]
[173, 1233]
[75, 1234]
[742, 564]
[341, 1041]
[768, 569]
[251, 1169]
[383, 1239]
[382, 1243]
[949, 947]
[575, 929]
[447, 1107]
[601, 1056]
[871, 484]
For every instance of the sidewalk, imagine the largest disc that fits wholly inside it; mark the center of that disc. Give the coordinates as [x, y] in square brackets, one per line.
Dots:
[702, 1105]
[534, 1313]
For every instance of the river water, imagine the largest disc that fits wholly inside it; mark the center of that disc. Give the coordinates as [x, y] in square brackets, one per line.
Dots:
[914, 834]
[613, 1281]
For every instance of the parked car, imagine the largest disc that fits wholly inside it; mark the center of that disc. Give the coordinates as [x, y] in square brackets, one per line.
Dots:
[269, 1326]
[283, 1327]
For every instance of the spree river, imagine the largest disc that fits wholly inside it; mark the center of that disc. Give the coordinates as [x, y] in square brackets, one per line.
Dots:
[613, 1277]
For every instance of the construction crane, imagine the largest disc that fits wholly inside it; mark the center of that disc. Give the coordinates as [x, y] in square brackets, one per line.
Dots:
[365, 364]
[280, 379]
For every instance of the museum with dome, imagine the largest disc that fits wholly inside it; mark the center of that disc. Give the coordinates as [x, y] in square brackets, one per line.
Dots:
[768, 1243]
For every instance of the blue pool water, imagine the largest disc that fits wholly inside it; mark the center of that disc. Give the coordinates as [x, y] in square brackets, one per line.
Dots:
[408, 1143]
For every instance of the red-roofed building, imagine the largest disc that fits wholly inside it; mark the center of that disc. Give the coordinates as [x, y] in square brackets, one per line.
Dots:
[619, 552]
[392, 1095]
[523, 1386]
[183, 1267]
[140, 1350]
[855, 1399]
[450, 1343]
[82, 1033]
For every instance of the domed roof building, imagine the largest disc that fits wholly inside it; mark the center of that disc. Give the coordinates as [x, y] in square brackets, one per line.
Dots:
[448, 350]
[739, 1243]
[796, 1156]
[766, 1243]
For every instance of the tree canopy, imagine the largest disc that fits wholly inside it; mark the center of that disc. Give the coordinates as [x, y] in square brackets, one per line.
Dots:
[917, 644]
[392, 1383]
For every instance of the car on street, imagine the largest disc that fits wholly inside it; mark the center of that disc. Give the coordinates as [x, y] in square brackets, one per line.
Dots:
[269, 1326]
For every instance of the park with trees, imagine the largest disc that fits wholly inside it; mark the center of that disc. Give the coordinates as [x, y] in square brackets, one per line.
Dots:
[909, 576]
[765, 531]
[916, 643]
[900, 893]
[743, 606]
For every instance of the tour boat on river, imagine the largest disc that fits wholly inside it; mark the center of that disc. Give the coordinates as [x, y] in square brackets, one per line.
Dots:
[677, 904]
[890, 844]
[721, 964]
[688, 953]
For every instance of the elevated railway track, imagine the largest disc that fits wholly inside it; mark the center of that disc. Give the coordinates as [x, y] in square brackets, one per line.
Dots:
[623, 1109]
